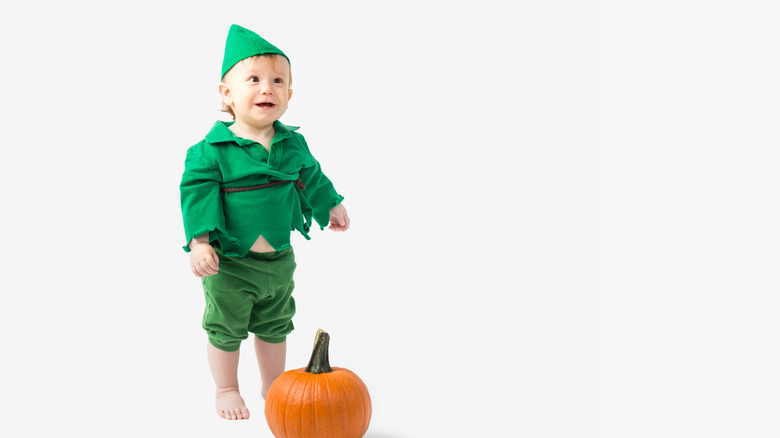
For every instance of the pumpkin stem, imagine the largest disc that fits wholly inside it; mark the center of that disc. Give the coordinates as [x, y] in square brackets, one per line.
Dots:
[319, 362]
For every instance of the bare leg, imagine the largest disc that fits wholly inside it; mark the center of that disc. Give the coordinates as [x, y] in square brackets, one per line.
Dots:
[224, 368]
[270, 359]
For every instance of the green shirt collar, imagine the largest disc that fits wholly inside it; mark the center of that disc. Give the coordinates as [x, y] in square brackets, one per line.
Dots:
[220, 133]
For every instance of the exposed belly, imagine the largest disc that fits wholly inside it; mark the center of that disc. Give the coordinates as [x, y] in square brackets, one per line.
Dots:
[261, 245]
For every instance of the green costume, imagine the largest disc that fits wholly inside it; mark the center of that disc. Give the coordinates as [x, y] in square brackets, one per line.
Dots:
[250, 294]
[243, 43]
[236, 219]
[220, 196]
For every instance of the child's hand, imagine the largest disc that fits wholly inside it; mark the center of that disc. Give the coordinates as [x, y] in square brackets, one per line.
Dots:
[339, 221]
[203, 260]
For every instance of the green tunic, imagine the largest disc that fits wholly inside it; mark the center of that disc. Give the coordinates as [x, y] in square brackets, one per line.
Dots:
[236, 219]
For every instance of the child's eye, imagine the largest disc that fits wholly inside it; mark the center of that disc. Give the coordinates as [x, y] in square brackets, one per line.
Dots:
[254, 79]
[278, 81]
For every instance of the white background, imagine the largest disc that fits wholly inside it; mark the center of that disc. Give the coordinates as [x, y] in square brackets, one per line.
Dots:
[564, 215]
[692, 286]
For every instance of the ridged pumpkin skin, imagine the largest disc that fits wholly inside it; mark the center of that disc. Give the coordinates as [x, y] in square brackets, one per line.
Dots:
[333, 403]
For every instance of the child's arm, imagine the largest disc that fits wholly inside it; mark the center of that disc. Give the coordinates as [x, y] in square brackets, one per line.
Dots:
[203, 258]
[322, 196]
[201, 206]
[202, 212]
[339, 221]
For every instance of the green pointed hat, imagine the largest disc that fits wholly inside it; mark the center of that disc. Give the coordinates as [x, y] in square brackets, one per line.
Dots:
[243, 43]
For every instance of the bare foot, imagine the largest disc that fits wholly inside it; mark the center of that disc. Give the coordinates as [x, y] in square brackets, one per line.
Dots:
[230, 405]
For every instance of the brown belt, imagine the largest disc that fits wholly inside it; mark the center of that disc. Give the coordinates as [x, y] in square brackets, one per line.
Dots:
[298, 183]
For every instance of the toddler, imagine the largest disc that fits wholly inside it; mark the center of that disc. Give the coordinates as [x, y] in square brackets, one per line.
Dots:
[245, 187]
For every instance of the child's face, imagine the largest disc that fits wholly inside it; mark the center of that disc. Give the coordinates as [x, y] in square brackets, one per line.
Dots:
[258, 89]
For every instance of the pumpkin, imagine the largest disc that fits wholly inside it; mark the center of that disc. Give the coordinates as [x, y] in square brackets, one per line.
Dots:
[318, 401]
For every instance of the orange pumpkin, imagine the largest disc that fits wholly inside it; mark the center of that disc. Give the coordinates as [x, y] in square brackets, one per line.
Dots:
[318, 401]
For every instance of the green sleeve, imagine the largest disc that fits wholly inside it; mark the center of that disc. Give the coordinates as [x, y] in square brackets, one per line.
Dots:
[201, 203]
[319, 191]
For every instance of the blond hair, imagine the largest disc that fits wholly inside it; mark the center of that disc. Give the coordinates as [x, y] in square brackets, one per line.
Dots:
[271, 57]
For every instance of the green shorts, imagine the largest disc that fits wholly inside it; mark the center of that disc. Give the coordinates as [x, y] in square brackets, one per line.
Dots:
[250, 294]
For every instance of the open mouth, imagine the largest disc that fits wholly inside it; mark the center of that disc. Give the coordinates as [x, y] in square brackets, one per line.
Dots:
[265, 105]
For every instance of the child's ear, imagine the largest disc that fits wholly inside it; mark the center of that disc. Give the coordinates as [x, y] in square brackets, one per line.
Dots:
[224, 91]
[289, 94]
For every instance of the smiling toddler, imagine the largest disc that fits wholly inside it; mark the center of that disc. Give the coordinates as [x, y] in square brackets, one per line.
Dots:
[245, 186]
